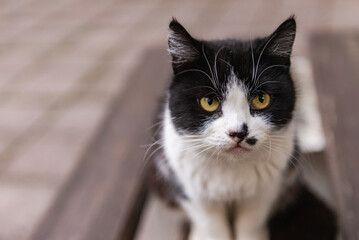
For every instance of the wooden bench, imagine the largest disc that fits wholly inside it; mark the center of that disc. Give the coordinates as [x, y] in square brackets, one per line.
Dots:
[106, 197]
[335, 58]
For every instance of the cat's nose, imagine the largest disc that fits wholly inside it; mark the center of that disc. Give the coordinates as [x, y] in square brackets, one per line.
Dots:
[238, 136]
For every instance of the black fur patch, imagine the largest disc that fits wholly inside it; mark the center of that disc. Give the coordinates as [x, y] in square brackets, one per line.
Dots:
[304, 218]
[251, 141]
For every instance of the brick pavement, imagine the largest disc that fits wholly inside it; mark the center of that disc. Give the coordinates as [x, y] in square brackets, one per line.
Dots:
[62, 62]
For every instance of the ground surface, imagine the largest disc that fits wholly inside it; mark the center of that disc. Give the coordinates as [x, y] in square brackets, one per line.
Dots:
[62, 62]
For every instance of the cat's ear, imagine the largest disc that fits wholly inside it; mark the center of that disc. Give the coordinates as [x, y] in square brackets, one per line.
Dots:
[280, 42]
[181, 45]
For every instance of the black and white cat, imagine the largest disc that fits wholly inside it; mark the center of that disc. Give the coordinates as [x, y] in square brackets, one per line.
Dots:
[227, 133]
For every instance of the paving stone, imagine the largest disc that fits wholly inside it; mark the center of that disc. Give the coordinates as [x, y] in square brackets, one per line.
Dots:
[64, 135]
[5, 140]
[12, 118]
[46, 159]
[9, 73]
[84, 114]
[16, 100]
[21, 208]
[113, 81]
[19, 53]
[49, 78]
[9, 6]
[19, 24]
[345, 15]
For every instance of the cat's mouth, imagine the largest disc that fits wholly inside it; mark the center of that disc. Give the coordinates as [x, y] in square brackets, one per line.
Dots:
[238, 148]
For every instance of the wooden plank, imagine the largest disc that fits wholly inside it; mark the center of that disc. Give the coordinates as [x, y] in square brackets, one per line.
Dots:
[335, 61]
[160, 222]
[104, 197]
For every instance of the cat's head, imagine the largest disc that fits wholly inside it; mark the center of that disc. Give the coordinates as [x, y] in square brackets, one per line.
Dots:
[231, 95]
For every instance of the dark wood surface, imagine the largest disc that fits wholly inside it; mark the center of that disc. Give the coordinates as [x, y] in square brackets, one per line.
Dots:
[335, 60]
[104, 197]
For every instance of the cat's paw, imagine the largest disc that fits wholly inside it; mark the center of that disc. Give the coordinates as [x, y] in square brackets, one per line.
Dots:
[257, 235]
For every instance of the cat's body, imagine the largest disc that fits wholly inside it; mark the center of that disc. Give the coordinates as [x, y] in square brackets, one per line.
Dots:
[227, 134]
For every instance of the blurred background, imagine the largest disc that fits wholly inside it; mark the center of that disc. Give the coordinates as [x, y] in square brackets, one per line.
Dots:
[62, 63]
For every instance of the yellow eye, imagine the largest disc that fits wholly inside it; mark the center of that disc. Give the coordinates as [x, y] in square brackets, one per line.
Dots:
[209, 104]
[261, 101]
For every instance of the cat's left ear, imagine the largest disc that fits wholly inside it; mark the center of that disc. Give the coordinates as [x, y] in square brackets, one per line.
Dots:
[280, 43]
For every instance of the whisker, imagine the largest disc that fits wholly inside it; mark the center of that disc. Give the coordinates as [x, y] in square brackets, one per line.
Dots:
[146, 159]
[228, 64]
[260, 55]
[206, 149]
[154, 125]
[194, 70]
[209, 67]
[272, 66]
[252, 59]
[201, 87]
[215, 63]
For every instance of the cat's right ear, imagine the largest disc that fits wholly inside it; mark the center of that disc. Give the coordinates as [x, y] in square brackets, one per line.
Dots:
[181, 45]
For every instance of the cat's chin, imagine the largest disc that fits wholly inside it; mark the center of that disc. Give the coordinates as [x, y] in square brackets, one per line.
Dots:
[233, 153]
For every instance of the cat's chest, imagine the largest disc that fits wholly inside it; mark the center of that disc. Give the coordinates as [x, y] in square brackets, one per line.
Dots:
[220, 182]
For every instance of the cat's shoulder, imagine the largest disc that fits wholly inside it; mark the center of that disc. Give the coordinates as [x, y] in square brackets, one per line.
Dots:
[163, 180]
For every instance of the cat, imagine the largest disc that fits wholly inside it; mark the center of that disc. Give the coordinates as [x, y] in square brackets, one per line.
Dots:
[227, 135]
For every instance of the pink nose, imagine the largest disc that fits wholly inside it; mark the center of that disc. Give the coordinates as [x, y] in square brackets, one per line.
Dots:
[237, 136]
[240, 135]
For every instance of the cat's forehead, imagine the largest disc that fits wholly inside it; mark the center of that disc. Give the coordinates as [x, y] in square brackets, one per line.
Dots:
[235, 56]
[236, 50]
[234, 84]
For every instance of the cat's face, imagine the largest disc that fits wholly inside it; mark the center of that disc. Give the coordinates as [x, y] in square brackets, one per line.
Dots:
[231, 96]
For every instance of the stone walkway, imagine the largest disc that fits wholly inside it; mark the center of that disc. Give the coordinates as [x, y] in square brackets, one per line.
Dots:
[62, 62]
